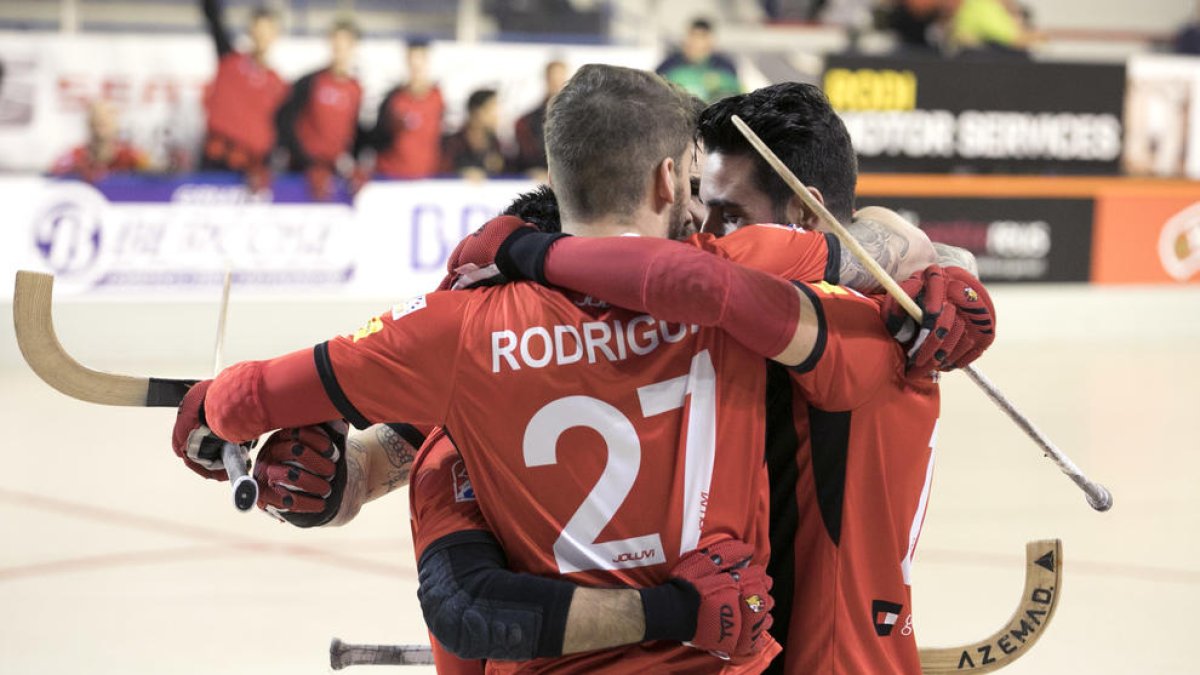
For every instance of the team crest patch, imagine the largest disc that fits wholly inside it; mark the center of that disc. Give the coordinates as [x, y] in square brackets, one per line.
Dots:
[463, 492]
[408, 307]
[884, 615]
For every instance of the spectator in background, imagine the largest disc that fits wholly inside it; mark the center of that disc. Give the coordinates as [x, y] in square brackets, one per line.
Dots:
[531, 127]
[920, 24]
[995, 26]
[698, 68]
[318, 124]
[1187, 40]
[474, 152]
[104, 152]
[408, 130]
[241, 101]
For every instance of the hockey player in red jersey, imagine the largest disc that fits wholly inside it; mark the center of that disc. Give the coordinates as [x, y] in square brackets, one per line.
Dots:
[851, 485]
[650, 410]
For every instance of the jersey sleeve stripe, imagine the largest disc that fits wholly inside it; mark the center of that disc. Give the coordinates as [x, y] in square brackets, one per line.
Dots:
[334, 390]
[822, 332]
[833, 259]
[409, 433]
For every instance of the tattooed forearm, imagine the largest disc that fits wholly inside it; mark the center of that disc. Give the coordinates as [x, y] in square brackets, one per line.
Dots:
[399, 454]
[378, 460]
[880, 243]
[953, 256]
[355, 491]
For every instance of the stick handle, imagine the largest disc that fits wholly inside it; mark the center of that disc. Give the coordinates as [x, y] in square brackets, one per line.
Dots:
[1098, 496]
[235, 457]
[342, 654]
[245, 489]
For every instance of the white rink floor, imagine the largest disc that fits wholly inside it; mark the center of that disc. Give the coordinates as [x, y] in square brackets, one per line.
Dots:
[117, 560]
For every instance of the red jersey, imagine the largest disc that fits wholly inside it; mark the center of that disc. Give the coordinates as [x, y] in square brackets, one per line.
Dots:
[441, 501]
[411, 130]
[863, 484]
[240, 103]
[851, 461]
[602, 444]
[327, 120]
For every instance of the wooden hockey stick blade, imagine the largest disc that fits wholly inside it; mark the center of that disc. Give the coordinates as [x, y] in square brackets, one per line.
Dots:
[34, 324]
[1043, 585]
[343, 654]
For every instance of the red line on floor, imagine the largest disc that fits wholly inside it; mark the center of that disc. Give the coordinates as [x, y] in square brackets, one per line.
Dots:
[231, 543]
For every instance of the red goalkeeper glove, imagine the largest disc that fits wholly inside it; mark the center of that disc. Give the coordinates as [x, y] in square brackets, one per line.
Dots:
[191, 438]
[715, 600]
[473, 262]
[959, 320]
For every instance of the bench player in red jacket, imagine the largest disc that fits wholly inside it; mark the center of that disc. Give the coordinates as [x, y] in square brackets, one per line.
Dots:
[318, 123]
[241, 100]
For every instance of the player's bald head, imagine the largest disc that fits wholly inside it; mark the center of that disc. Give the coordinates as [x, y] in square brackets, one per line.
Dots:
[607, 131]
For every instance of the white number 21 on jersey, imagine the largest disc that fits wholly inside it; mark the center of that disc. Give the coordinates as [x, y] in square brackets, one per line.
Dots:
[576, 549]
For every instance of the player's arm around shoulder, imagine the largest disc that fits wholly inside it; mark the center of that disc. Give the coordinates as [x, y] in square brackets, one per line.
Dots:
[842, 354]
[401, 364]
[901, 248]
[788, 252]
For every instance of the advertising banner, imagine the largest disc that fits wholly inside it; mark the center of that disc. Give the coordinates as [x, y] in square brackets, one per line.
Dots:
[1022, 240]
[142, 238]
[939, 115]
[1142, 238]
[1162, 116]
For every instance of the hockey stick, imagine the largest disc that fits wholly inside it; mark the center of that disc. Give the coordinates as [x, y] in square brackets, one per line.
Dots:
[235, 457]
[342, 654]
[1098, 497]
[34, 324]
[1043, 583]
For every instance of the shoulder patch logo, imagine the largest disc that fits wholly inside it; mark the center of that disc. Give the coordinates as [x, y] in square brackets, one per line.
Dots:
[408, 307]
[830, 289]
[372, 327]
[463, 492]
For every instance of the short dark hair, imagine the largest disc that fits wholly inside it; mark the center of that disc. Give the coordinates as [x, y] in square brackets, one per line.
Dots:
[421, 42]
[701, 23]
[606, 131]
[260, 12]
[479, 98]
[539, 207]
[345, 24]
[796, 121]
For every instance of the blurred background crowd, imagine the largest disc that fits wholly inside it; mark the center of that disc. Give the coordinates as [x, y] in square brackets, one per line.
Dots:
[260, 115]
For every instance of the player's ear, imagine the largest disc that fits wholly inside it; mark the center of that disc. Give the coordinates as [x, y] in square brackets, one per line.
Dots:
[799, 214]
[664, 182]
